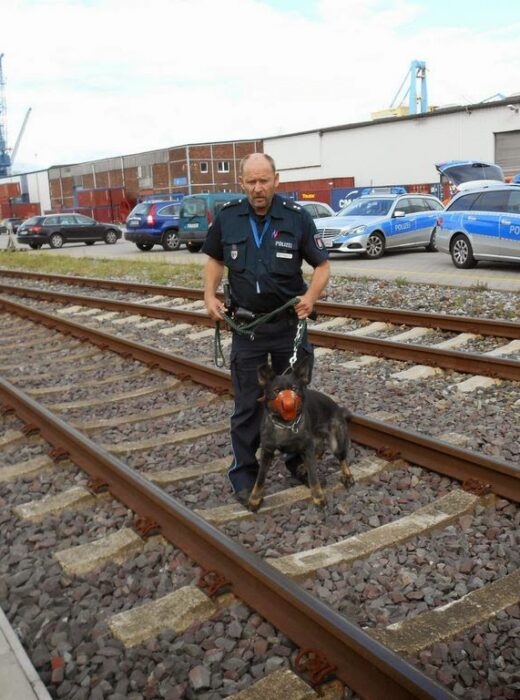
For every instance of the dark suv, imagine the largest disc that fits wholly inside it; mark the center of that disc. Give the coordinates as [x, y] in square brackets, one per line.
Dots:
[151, 223]
[57, 229]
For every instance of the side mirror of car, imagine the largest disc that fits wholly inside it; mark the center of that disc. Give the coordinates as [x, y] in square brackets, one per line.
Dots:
[399, 213]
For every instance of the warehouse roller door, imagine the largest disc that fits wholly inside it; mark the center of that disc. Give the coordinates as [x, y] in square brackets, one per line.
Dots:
[507, 151]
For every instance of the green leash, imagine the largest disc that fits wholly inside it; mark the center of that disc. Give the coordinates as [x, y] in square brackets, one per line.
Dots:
[249, 329]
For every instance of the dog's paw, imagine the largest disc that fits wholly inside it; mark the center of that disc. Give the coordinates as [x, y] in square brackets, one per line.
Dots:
[254, 504]
[347, 480]
[320, 503]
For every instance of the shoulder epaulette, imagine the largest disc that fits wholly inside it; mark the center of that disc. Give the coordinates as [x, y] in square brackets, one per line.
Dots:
[232, 203]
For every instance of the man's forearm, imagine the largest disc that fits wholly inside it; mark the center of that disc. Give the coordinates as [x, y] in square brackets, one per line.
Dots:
[212, 277]
[320, 279]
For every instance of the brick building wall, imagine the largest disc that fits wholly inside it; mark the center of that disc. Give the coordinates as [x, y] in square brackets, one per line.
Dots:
[210, 167]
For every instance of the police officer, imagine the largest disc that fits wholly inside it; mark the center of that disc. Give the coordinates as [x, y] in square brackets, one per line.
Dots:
[262, 241]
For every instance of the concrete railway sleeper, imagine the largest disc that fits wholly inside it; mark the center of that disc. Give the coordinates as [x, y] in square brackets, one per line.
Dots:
[493, 364]
[345, 557]
[460, 324]
[378, 384]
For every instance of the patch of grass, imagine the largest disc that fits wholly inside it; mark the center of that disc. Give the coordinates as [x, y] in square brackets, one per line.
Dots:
[401, 282]
[479, 286]
[181, 275]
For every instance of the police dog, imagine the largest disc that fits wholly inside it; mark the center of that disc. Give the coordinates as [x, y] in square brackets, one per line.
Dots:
[301, 421]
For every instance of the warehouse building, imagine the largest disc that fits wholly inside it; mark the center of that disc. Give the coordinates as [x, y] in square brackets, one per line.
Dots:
[325, 164]
[400, 150]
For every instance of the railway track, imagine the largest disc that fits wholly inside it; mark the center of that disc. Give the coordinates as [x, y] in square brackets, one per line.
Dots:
[408, 509]
[367, 354]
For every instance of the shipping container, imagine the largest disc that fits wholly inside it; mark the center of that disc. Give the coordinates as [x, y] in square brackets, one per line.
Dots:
[319, 184]
[8, 190]
[22, 210]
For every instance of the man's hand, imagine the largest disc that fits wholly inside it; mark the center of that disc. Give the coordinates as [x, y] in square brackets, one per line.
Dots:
[305, 306]
[214, 308]
[320, 278]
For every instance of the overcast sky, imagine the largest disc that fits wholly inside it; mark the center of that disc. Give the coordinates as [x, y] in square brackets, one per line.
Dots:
[112, 77]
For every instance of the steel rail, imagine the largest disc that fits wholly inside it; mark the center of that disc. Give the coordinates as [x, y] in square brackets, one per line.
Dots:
[445, 322]
[361, 662]
[185, 369]
[502, 477]
[465, 362]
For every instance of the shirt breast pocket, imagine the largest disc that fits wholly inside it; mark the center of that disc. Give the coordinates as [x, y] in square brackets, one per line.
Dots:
[235, 254]
[285, 257]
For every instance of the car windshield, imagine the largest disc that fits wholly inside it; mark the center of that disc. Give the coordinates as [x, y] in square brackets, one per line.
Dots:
[33, 220]
[194, 207]
[369, 206]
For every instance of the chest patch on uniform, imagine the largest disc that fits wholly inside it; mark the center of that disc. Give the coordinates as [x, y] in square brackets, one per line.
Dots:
[234, 252]
[284, 244]
[284, 255]
[318, 241]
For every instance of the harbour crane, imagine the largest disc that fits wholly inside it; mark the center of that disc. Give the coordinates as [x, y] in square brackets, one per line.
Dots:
[6, 158]
[417, 71]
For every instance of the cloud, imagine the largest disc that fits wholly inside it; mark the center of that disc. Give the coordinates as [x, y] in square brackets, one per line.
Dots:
[110, 77]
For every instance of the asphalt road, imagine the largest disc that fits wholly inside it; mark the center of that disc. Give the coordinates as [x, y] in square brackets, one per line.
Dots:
[412, 265]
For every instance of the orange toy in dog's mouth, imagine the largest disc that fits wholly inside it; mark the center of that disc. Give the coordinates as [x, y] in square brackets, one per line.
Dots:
[287, 404]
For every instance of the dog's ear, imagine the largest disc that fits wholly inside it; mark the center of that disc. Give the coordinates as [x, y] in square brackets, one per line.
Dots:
[265, 374]
[302, 370]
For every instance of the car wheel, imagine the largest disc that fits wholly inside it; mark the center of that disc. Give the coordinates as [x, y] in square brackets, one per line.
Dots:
[55, 240]
[35, 246]
[375, 246]
[89, 242]
[144, 246]
[432, 245]
[194, 247]
[170, 240]
[462, 252]
[111, 237]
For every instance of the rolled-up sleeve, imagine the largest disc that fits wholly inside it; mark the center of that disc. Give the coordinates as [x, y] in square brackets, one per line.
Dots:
[213, 243]
[313, 248]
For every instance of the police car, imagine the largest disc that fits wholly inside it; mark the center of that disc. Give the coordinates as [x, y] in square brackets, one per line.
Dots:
[481, 223]
[374, 223]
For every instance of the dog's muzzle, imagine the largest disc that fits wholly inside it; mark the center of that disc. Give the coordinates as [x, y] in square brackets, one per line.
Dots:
[287, 404]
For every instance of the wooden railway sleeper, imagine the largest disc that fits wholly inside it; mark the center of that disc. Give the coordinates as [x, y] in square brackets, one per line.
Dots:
[213, 583]
[314, 663]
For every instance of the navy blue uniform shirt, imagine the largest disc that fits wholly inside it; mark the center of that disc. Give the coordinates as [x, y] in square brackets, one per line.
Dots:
[264, 277]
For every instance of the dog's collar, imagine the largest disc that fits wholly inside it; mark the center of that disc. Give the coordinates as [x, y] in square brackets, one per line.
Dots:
[293, 426]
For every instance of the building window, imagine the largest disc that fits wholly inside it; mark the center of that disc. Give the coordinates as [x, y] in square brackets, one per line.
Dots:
[203, 166]
[223, 166]
[144, 171]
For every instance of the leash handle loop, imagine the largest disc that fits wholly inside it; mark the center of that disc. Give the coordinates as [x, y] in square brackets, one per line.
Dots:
[246, 329]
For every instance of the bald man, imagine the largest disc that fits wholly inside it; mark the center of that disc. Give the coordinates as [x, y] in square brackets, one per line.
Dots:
[262, 240]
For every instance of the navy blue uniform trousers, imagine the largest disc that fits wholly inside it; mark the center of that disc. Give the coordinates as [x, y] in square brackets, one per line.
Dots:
[274, 342]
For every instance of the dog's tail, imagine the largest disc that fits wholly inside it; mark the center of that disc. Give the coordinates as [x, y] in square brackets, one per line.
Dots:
[347, 415]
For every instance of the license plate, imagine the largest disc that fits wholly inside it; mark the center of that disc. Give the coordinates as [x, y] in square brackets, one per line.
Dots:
[328, 242]
[192, 226]
[134, 222]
